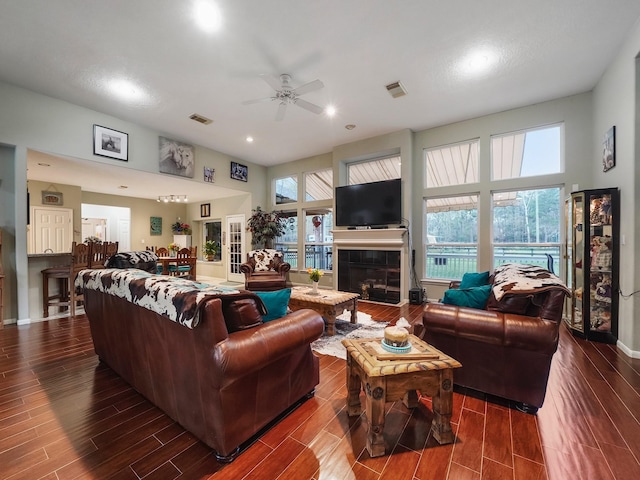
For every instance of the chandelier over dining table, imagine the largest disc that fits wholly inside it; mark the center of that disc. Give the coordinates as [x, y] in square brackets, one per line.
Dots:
[173, 198]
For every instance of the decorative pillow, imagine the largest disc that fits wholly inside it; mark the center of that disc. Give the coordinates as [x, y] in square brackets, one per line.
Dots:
[263, 258]
[473, 279]
[241, 315]
[276, 303]
[474, 297]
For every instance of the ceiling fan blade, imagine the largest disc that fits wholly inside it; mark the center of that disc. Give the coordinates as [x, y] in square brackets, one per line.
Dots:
[308, 87]
[308, 106]
[272, 81]
[282, 108]
[257, 100]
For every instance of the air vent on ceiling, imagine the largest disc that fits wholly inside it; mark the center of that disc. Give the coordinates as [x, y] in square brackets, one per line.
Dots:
[201, 119]
[396, 89]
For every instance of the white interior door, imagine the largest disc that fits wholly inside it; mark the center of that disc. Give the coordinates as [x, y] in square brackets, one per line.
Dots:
[235, 228]
[51, 229]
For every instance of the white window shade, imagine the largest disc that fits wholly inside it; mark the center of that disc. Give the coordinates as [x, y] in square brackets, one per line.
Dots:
[452, 165]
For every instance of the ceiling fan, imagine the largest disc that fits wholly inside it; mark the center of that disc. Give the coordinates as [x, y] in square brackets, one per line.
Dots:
[285, 94]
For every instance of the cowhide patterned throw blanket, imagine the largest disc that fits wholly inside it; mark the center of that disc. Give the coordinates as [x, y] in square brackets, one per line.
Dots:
[515, 278]
[178, 299]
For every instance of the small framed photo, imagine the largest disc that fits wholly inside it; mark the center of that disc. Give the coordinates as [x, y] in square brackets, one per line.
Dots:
[239, 171]
[209, 174]
[52, 198]
[609, 149]
[110, 143]
[205, 210]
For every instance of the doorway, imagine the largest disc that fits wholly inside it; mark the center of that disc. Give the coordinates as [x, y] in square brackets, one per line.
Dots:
[51, 230]
[235, 228]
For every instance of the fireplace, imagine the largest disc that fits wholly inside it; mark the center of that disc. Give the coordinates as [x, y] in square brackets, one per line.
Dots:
[374, 258]
[374, 274]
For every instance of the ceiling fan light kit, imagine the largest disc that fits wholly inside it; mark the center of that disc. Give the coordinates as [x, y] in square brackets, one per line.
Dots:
[285, 94]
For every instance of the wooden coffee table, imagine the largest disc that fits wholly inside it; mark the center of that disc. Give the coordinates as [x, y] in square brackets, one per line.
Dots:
[327, 303]
[398, 378]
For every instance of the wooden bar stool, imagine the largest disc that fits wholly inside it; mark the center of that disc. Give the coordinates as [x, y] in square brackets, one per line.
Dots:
[61, 299]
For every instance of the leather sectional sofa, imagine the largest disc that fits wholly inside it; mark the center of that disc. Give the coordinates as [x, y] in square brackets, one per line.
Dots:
[506, 348]
[202, 355]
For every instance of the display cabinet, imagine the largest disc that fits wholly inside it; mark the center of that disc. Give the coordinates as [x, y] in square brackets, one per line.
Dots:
[592, 253]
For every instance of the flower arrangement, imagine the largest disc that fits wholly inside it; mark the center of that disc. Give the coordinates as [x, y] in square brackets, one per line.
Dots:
[180, 228]
[314, 274]
[174, 247]
[93, 239]
[265, 226]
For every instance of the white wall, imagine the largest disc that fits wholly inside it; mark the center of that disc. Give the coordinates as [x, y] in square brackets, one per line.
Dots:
[615, 102]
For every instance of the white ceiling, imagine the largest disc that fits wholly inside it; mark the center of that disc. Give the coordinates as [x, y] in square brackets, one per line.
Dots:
[543, 49]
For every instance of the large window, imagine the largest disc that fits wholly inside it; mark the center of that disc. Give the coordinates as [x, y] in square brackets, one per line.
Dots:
[286, 190]
[288, 242]
[451, 238]
[526, 153]
[318, 185]
[374, 170]
[526, 227]
[213, 231]
[318, 239]
[455, 164]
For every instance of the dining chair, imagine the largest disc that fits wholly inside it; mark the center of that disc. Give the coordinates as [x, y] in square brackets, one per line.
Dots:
[185, 264]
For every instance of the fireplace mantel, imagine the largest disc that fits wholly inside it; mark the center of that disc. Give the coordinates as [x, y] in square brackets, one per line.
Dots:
[383, 239]
[371, 237]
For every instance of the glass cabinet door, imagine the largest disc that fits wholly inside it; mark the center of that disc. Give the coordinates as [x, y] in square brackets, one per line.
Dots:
[577, 322]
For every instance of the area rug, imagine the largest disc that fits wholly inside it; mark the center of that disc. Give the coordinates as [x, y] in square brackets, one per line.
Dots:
[365, 328]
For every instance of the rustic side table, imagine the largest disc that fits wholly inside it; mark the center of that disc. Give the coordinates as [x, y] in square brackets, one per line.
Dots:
[388, 377]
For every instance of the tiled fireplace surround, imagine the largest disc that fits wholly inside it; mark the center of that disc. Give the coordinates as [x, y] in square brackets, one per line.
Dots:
[377, 258]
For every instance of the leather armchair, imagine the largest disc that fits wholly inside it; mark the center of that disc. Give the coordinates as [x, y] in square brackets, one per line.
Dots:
[505, 350]
[265, 270]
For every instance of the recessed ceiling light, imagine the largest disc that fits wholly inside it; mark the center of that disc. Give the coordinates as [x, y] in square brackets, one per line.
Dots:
[350, 126]
[330, 111]
[249, 139]
[208, 16]
[478, 61]
[126, 90]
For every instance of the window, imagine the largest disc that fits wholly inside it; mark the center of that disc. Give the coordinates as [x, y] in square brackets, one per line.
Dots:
[213, 231]
[451, 236]
[318, 239]
[374, 170]
[526, 153]
[286, 190]
[318, 185]
[455, 164]
[288, 242]
[526, 227]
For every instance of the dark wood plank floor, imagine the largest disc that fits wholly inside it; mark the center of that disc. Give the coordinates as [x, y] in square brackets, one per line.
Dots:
[63, 415]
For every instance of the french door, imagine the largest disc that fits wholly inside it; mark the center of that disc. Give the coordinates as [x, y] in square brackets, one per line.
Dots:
[235, 250]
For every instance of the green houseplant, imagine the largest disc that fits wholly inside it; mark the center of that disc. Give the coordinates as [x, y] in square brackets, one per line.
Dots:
[211, 249]
[265, 226]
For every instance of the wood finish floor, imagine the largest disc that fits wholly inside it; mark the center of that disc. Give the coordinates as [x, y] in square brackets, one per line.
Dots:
[63, 415]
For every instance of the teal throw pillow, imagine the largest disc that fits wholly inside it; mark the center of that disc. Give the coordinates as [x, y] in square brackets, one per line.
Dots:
[474, 297]
[276, 303]
[473, 279]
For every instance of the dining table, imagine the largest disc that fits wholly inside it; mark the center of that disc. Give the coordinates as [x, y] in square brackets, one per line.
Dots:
[166, 261]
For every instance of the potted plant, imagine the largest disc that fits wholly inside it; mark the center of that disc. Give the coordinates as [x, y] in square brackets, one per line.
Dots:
[211, 249]
[265, 226]
[179, 228]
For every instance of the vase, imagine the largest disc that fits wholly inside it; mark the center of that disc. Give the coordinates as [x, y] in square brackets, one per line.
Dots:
[314, 288]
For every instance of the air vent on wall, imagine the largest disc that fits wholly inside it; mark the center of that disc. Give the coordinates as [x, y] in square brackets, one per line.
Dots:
[396, 89]
[200, 119]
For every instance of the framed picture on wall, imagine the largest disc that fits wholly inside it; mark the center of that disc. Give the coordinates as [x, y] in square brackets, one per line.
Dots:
[209, 174]
[239, 171]
[609, 149]
[110, 143]
[205, 210]
[155, 224]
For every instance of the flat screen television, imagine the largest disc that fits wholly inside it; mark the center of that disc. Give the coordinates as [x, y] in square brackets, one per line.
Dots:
[369, 204]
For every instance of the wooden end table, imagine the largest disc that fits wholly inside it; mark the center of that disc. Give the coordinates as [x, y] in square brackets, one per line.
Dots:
[398, 378]
[327, 303]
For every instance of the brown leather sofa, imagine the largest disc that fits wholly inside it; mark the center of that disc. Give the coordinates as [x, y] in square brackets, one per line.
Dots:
[265, 270]
[217, 370]
[506, 349]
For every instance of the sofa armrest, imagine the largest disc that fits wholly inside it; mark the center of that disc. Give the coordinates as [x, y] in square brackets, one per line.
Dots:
[247, 268]
[249, 350]
[492, 327]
